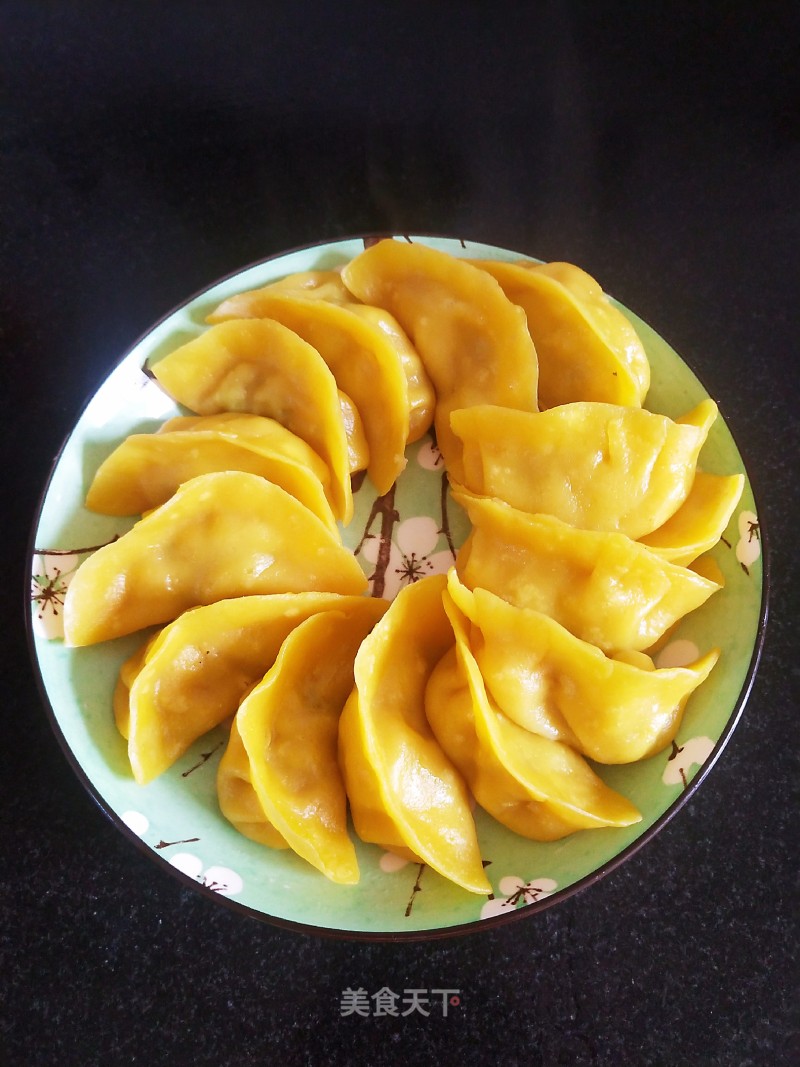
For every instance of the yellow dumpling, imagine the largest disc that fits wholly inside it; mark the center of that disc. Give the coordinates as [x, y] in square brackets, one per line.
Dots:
[587, 349]
[221, 535]
[603, 587]
[595, 466]
[313, 284]
[364, 363]
[194, 673]
[619, 712]
[147, 468]
[260, 367]
[472, 340]
[535, 786]
[421, 397]
[238, 800]
[289, 724]
[404, 793]
[700, 521]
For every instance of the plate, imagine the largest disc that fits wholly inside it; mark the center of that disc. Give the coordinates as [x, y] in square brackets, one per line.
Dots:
[175, 819]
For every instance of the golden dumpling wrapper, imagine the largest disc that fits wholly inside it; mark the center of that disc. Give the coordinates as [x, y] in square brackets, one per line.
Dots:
[537, 787]
[603, 587]
[289, 724]
[700, 521]
[260, 367]
[238, 800]
[619, 711]
[594, 466]
[366, 367]
[221, 535]
[194, 673]
[404, 793]
[587, 349]
[146, 469]
[473, 341]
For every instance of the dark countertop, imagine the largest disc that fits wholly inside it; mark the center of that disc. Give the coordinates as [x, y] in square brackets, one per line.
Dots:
[149, 149]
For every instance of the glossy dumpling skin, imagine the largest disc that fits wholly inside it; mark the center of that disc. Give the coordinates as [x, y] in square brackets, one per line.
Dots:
[537, 787]
[618, 712]
[363, 362]
[193, 674]
[404, 793]
[603, 587]
[595, 466]
[261, 367]
[221, 535]
[587, 349]
[700, 521]
[310, 284]
[473, 341]
[238, 800]
[146, 469]
[288, 725]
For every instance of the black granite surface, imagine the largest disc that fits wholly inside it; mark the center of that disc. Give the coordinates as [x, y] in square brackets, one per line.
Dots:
[147, 149]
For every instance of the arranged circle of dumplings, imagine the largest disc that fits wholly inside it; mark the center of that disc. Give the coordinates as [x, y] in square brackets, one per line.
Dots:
[494, 684]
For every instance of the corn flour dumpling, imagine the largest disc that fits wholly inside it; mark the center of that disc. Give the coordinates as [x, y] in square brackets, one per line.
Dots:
[594, 466]
[421, 397]
[473, 341]
[366, 367]
[404, 793]
[603, 587]
[238, 800]
[260, 367]
[537, 787]
[700, 521]
[312, 284]
[618, 711]
[193, 674]
[221, 535]
[288, 726]
[146, 469]
[587, 349]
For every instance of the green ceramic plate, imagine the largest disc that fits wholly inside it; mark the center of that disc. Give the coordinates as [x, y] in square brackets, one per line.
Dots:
[176, 820]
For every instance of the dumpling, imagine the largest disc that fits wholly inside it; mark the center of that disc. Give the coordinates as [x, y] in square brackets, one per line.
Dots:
[260, 367]
[587, 349]
[618, 712]
[404, 793]
[288, 725]
[147, 468]
[221, 535]
[238, 800]
[537, 787]
[472, 340]
[603, 587]
[193, 674]
[700, 521]
[595, 466]
[366, 367]
[310, 284]
[421, 397]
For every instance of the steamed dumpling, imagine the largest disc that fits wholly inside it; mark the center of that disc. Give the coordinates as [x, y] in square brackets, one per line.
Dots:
[288, 725]
[538, 787]
[595, 466]
[147, 468]
[260, 367]
[587, 349]
[603, 587]
[193, 674]
[221, 535]
[405, 795]
[473, 341]
[618, 711]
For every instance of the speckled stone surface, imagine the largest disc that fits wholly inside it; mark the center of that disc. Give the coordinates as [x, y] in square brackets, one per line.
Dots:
[146, 150]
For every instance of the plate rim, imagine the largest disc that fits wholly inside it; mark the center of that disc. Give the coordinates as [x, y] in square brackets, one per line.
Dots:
[433, 933]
